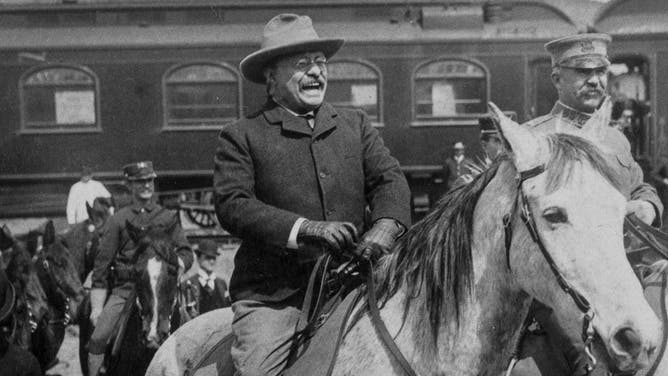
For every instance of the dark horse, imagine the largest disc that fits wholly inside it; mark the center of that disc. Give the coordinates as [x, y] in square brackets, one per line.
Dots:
[145, 320]
[49, 293]
[83, 240]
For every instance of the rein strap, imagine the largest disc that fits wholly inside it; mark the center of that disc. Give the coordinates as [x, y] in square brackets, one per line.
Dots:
[378, 323]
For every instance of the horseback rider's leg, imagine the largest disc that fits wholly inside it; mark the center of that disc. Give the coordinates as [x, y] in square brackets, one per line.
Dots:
[554, 352]
[263, 332]
[103, 331]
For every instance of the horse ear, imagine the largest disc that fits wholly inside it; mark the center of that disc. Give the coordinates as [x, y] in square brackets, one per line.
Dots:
[89, 210]
[6, 238]
[49, 234]
[529, 148]
[594, 127]
[134, 231]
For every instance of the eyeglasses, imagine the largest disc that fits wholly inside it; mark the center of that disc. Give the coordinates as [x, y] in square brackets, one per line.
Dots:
[306, 62]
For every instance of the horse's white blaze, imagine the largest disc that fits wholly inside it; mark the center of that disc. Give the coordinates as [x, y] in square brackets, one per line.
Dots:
[153, 268]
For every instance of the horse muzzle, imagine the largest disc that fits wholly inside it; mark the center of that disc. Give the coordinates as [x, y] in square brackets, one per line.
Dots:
[628, 351]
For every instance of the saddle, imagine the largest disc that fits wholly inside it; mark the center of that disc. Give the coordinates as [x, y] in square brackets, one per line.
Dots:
[328, 304]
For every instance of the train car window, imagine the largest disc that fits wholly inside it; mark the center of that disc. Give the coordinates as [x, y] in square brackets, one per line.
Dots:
[59, 99]
[449, 89]
[355, 84]
[201, 96]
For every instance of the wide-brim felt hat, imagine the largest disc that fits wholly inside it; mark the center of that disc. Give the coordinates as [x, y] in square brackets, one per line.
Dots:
[7, 296]
[286, 34]
[208, 248]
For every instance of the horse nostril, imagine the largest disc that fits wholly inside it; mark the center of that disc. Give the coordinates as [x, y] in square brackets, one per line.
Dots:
[627, 340]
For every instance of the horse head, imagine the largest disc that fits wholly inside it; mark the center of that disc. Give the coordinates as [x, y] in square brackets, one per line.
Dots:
[156, 271]
[58, 274]
[31, 302]
[99, 212]
[568, 228]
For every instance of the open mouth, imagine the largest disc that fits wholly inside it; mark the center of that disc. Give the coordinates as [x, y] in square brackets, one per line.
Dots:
[313, 86]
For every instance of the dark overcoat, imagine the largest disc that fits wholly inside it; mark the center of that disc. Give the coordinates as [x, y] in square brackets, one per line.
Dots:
[272, 168]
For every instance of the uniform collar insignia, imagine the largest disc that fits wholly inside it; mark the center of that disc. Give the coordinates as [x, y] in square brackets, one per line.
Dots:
[570, 114]
[148, 207]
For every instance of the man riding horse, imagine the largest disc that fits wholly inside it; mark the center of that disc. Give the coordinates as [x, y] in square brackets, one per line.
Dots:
[295, 179]
[580, 68]
[118, 249]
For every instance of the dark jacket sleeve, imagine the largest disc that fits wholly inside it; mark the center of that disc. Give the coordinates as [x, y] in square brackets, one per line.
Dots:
[237, 208]
[386, 189]
[183, 247]
[109, 245]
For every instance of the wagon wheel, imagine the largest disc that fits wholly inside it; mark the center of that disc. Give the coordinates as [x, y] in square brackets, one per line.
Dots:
[203, 218]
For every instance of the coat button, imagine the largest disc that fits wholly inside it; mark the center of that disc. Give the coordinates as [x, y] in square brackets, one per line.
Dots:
[323, 174]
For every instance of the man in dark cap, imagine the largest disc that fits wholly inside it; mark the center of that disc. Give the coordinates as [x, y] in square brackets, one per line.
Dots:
[580, 73]
[118, 248]
[14, 360]
[490, 140]
[209, 291]
[294, 180]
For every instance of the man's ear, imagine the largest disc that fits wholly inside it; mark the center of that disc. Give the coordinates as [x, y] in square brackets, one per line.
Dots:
[556, 78]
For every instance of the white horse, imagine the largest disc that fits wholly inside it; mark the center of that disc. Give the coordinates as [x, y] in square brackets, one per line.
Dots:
[456, 288]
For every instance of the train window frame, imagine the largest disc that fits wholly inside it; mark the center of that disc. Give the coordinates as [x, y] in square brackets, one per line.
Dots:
[449, 120]
[168, 126]
[54, 127]
[378, 122]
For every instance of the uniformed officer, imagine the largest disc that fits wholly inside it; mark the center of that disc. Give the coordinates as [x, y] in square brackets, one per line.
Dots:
[580, 73]
[490, 140]
[118, 248]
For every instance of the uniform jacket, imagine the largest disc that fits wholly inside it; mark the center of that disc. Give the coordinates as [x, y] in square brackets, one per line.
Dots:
[272, 168]
[453, 170]
[118, 249]
[617, 153]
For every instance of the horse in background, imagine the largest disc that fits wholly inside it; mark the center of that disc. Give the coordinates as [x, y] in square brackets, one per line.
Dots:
[545, 224]
[32, 313]
[83, 240]
[145, 321]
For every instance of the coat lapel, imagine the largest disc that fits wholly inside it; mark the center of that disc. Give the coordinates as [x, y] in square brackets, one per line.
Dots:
[325, 119]
[289, 122]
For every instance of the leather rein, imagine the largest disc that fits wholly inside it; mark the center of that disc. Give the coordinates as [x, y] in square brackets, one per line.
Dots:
[580, 301]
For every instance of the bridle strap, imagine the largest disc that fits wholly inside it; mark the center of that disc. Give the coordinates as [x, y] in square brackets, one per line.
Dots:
[378, 323]
[580, 301]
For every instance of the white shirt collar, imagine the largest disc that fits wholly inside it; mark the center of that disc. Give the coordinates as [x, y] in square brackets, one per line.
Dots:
[206, 279]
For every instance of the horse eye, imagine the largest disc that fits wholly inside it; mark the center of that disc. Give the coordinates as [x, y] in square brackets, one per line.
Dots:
[555, 215]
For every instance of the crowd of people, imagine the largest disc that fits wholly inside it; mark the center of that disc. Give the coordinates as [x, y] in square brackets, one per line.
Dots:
[300, 178]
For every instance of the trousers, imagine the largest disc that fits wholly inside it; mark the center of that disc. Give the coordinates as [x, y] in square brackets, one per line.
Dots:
[263, 332]
[110, 315]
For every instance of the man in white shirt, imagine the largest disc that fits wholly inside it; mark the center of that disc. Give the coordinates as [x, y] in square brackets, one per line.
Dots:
[85, 190]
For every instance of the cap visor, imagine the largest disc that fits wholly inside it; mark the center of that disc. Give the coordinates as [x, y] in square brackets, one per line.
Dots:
[586, 62]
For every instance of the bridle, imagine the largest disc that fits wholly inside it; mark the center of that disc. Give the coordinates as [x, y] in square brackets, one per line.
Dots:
[45, 265]
[580, 301]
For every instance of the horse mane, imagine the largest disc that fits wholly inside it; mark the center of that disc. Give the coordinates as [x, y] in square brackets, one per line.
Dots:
[436, 252]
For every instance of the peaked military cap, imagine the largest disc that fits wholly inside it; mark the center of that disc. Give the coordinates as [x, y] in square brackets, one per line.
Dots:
[487, 127]
[587, 51]
[139, 170]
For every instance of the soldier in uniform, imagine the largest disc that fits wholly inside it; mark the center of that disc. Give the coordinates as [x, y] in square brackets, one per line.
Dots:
[490, 140]
[580, 73]
[293, 180]
[117, 248]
